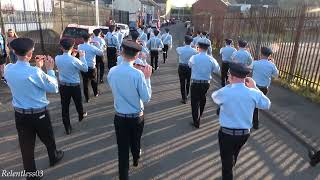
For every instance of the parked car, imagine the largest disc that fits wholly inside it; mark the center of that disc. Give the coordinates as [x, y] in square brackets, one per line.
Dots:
[123, 29]
[76, 31]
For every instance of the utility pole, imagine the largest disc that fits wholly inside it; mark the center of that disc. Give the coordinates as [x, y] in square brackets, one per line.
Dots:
[97, 13]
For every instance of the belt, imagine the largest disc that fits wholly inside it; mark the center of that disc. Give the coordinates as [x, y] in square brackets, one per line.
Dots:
[69, 84]
[201, 81]
[134, 115]
[182, 64]
[262, 87]
[30, 111]
[235, 132]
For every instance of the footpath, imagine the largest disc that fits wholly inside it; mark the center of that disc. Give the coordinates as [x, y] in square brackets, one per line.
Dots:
[295, 114]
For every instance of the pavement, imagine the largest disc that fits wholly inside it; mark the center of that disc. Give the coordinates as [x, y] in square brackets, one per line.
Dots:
[171, 148]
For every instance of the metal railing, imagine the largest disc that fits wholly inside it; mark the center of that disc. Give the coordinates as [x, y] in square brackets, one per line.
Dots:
[293, 35]
[45, 20]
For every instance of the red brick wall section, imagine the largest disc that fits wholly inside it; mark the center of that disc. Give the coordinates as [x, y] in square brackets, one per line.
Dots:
[201, 13]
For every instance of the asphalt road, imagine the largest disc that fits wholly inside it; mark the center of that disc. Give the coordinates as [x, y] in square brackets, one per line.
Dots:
[172, 149]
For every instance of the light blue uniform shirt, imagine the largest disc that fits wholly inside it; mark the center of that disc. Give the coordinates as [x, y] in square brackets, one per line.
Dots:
[262, 72]
[155, 44]
[101, 41]
[69, 67]
[2, 43]
[91, 53]
[237, 103]
[129, 88]
[195, 40]
[185, 53]
[242, 56]
[144, 50]
[112, 40]
[226, 53]
[166, 39]
[29, 85]
[143, 37]
[202, 66]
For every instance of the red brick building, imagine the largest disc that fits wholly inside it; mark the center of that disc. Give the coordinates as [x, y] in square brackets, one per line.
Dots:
[207, 16]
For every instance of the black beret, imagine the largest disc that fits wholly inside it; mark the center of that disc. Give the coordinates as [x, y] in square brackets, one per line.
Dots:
[67, 43]
[266, 51]
[242, 43]
[86, 36]
[228, 41]
[22, 46]
[134, 34]
[131, 45]
[96, 31]
[188, 38]
[239, 70]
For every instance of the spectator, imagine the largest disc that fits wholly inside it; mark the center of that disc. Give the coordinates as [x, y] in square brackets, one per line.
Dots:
[11, 36]
[3, 54]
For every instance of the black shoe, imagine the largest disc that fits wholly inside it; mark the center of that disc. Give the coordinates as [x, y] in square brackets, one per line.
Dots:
[58, 156]
[87, 100]
[311, 154]
[68, 130]
[183, 101]
[195, 125]
[136, 162]
[314, 158]
[85, 114]
[255, 126]
[101, 81]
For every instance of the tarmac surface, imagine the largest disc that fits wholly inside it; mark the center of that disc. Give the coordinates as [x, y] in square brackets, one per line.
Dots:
[171, 147]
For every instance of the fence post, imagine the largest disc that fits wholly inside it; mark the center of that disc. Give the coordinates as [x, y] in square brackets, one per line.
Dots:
[1, 19]
[40, 28]
[25, 16]
[261, 14]
[61, 15]
[296, 43]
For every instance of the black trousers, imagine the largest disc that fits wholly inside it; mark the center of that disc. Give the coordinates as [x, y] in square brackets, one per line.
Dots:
[198, 100]
[66, 93]
[230, 147]
[112, 56]
[154, 59]
[100, 68]
[165, 52]
[128, 132]
[224, 73]
[184, 76]
[90, 76]
[255, 120]
[28, 126]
